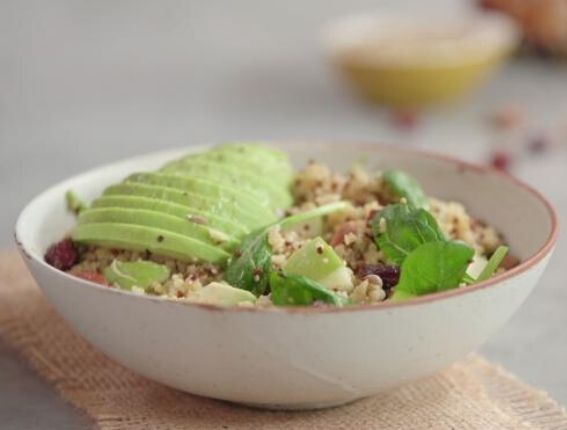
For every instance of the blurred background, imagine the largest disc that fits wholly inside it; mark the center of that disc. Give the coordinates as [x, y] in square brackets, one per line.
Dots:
[88, 82]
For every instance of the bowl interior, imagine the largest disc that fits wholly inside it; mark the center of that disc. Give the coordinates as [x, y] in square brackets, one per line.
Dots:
[521, 214]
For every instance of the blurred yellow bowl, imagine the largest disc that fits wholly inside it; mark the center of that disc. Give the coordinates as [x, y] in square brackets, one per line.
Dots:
[411, 62]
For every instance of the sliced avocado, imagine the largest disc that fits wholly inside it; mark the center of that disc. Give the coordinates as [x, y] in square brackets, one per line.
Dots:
[243, 147]
[194, 208]
[211, 189]
[160, 220]
[318, 261]
[219, 293]
[264, 155]
[277, 172]
[219, 177]
[184, 212]
[279, 197]
[228, 209]
[215, 195]
[154, 240]
[130, 274]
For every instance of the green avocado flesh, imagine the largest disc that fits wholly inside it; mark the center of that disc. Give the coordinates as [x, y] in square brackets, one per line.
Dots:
[273, 170]
[151, 218]
[130, 274]
[247, 181]
[211, 189]
[154, 240]
[184, 212]
[195, 208]
[225, 207]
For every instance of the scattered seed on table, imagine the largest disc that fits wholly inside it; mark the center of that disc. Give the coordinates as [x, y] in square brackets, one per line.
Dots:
[500, 160]
[538, 144]
[508, 117]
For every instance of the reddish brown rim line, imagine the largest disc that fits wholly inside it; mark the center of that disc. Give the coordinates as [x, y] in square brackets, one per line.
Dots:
[462, 165]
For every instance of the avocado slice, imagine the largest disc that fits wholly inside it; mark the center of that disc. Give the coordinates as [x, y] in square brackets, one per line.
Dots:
[154, 240]
[260, 154]
[174, 209]
[258, 148]
[220, 293]
[212, 193]
[226, 208]
[205, 187]
[279, 197]
[157, 219]
[276, 172]
[131, 274]
[197, 207]
[318, 261]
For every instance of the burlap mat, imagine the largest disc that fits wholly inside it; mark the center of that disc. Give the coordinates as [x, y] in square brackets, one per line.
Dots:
[473, 394]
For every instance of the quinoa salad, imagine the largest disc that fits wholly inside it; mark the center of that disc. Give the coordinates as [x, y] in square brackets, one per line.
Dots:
[239, 226]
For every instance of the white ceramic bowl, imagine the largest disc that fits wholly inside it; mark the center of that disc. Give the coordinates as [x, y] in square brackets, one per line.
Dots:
[299, 358]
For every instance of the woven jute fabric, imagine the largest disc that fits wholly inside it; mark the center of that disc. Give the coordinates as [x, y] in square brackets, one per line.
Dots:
[472, 394]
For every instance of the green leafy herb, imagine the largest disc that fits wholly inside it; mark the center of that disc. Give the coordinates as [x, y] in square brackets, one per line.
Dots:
[400, 228]
[297, 290]
[493, 264]
[433, 267]
[131, 274]
[404, 185]
[74, 203]
[250, 268]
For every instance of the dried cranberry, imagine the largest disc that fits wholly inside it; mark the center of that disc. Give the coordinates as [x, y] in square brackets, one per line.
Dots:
[62, 255]
[500, 160]
[389, 274]
[510, 261]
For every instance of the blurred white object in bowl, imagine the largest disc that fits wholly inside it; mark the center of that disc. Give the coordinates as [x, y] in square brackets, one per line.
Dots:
[411, 60]
[297, 358]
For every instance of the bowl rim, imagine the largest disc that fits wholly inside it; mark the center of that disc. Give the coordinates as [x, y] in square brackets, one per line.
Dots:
[462, 166]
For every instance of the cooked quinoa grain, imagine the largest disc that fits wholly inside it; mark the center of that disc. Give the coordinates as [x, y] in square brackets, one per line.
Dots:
[368, 278]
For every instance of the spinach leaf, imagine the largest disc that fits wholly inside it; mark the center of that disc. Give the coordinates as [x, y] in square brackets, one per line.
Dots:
[493, 264]
[404, 185]
[433, 267]
[297, 290]
[250, 267]
[404, 228]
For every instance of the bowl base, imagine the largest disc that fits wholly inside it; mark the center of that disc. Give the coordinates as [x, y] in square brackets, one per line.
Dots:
[297, 406]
